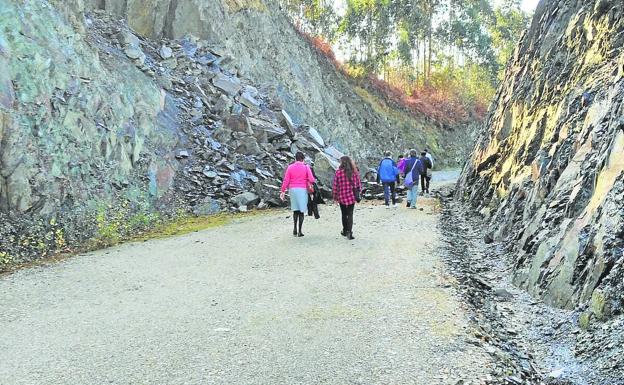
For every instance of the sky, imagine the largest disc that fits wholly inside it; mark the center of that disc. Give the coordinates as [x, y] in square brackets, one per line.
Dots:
[529, 5]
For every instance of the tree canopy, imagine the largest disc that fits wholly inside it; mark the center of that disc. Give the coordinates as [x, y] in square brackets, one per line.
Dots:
[453, 45]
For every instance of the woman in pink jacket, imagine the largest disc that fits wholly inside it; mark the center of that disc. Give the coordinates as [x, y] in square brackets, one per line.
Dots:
[297, 178]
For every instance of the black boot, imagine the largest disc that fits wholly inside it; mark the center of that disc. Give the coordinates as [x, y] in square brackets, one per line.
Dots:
[350, 235]
[301, 217]
[295, 219]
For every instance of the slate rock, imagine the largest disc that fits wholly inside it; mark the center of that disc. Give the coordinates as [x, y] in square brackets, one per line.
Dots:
[128, 39]
[287, 122]
[229, 85]
[316, 136]
[250, 102]
[246, 199]
[208, 206]
[238, 123]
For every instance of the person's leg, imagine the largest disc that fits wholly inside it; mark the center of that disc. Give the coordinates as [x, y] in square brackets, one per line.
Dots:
[414, 196]
[295, 220]
[393, 192]
[428, 183]
[315, 211]
[301, 218]
[343, 214]
[409, 196]
[350, 209]
[423, 177]
[386, 187]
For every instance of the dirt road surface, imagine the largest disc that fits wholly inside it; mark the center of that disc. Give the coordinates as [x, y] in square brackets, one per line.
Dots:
[247, 303]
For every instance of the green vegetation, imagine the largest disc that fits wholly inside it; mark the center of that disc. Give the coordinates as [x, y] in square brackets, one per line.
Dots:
[439, 58]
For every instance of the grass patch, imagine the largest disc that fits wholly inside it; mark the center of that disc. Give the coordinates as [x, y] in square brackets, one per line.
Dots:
[182, 225]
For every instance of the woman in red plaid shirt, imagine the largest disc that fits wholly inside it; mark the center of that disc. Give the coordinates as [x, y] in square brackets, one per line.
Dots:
[347, 179]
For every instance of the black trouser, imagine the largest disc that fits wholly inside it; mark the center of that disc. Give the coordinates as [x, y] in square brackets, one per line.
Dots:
[392, 187]
[313, 207]
[347, 217]
[424, 182]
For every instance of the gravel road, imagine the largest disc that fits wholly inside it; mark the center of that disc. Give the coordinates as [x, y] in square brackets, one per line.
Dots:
[246, 303]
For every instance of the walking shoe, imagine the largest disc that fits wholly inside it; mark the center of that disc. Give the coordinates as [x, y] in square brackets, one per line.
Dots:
[395, 206]
[343, 233]
[387, 206]
[350, 235]
[407, 205]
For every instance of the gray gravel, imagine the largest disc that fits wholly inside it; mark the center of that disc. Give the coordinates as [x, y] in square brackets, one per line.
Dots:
[246, 303]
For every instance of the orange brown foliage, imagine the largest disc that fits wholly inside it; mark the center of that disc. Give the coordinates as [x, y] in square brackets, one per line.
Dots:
[444, 106]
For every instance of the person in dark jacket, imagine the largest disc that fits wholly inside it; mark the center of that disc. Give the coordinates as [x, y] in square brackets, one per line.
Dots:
[425, 179]
[315, 198]
[387, 173]
[413, 165]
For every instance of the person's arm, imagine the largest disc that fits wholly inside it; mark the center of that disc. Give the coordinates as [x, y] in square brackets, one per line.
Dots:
[286, 180]
[285, 184]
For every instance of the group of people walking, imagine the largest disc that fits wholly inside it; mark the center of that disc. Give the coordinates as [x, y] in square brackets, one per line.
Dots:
[300, 181]
[412, 169]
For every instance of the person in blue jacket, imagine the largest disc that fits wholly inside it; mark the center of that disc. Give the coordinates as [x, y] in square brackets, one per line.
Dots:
[388, 174]
[414, 165]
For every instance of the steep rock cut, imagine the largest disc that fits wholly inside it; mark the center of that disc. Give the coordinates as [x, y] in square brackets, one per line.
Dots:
[74, 131]
[104, 134]
[263, 46]
[547, 172]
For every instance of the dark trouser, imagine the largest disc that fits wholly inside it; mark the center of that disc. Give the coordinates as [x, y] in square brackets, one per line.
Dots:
[424, 182]
[347, 217]
[313, 208]
[389, 189]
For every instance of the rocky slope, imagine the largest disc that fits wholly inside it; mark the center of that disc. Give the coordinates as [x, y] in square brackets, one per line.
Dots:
[547, 172]
[261, 45]
[107, 129]
[103, 134]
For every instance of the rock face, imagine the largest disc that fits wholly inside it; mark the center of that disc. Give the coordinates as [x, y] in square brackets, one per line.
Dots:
[256, 41]
[547, 171]
[104, 134]
[75, 134]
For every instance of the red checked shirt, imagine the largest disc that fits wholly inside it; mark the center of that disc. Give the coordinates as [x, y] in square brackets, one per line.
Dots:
[343, 188]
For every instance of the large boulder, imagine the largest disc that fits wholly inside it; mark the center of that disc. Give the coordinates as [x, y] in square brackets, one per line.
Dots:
[325, 168]
[246, 199]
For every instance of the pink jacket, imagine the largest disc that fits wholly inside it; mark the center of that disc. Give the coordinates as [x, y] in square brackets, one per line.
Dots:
[297, 174]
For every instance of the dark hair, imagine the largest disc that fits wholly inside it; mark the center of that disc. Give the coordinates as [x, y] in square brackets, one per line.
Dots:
[346, 164]
[299, 157]
[387, 153]
[423, 153]
[413, 153]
